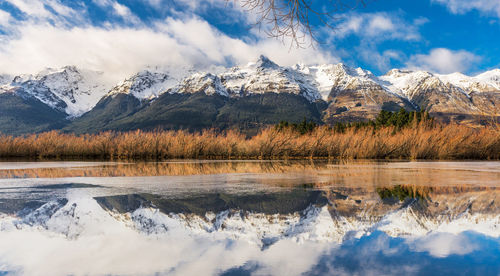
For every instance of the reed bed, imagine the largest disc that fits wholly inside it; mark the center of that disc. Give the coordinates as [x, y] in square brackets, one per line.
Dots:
[445, 142]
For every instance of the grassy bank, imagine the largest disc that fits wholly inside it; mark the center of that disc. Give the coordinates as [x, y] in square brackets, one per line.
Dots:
[421, 141]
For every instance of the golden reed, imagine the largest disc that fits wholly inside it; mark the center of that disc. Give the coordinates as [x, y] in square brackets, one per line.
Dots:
[419, 142]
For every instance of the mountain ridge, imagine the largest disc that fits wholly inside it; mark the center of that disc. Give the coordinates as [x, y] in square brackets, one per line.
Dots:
[338, 92]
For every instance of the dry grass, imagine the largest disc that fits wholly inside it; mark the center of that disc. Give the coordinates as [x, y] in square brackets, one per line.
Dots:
[420, 142]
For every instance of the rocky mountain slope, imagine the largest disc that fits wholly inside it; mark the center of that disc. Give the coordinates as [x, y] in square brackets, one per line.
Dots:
[248, 97]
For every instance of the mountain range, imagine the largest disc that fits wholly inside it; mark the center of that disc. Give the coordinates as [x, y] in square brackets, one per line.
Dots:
[245, 97]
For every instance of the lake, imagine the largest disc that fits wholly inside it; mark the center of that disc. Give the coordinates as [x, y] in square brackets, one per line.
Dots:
[250, 218]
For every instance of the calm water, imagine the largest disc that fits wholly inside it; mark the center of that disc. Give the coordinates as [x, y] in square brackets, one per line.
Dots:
[250, 218]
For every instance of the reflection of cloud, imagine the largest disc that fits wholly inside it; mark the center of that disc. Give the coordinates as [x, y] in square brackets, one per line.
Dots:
[375, 254]
[127, 252]
[444, 244]
[83, 239]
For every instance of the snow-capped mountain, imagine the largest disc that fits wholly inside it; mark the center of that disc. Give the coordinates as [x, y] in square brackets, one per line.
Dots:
[265, 76]
[354, 93]
[318, 81]
[144, 85]
[256, 94]
[76, 91]
[327, 76]
[69, 89]
[207, 83]
[431, 92]
[262, 76]
[486, 82]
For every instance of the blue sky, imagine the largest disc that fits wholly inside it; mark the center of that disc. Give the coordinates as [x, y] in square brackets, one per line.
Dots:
[123, 36]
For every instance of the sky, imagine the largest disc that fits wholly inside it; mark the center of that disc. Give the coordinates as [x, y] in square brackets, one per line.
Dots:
[121, 37]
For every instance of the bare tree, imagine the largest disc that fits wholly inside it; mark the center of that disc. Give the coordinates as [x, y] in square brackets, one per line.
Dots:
[293, 19]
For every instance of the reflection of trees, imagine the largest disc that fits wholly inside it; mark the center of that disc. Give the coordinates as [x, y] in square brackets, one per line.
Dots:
[366, 175]
[164, 168]
[404, 192]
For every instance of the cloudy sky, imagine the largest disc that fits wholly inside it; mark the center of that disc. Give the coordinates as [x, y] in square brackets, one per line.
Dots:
[121, 37]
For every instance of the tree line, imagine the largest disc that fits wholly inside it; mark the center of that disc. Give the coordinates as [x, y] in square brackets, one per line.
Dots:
[398, 120]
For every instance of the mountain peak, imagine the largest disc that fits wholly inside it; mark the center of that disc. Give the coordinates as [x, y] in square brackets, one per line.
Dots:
[490, 73]
[144, 84]
[265, 63]
[207, 83]
[68, 69]
[353, 72]
[398, 72]
[71, 68]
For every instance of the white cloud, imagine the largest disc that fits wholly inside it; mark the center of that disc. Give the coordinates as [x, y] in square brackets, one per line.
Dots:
[487, 7]
[120, 10]
[4, 18]
[373, 29]
[48, 12]
[444, 61]
[123, 51]
[381, 60]
[31, 8]
[379, 26]
[155, 3]
[34, 44]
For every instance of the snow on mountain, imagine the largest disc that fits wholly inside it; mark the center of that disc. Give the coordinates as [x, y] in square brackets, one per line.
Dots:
[313, 224]
[407, 83]
[264, 76]
[486, 82]
[69, 89]
[207, 83]
[75, 217]
[327, 76]
[5, 79]
[434, 93]
[145, 85]
[76, 91]
[317, 82]
[491, 77]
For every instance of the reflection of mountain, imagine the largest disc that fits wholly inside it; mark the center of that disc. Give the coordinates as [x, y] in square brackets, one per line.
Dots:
[245, 218]
[333, 215]
[270, 204]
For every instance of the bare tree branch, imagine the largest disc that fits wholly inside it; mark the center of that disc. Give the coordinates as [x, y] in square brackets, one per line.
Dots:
[293, 19]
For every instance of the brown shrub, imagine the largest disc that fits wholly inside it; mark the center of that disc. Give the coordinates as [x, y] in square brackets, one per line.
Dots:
[419, 142]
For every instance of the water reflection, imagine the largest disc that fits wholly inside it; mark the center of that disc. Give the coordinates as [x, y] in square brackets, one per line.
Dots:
[260, 218]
